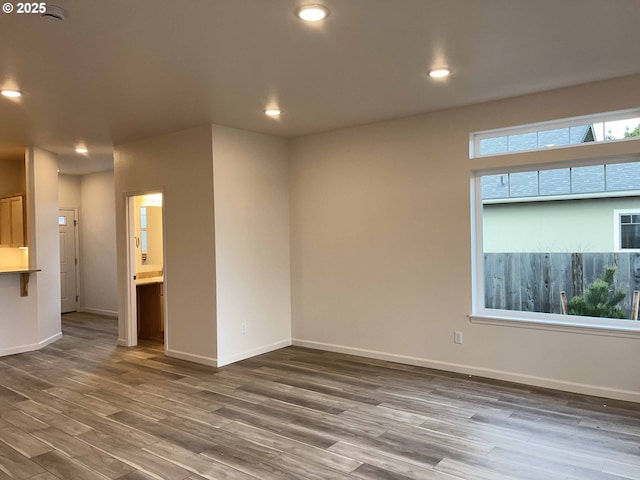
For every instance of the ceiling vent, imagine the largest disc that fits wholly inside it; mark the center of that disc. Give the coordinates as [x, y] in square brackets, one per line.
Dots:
[53, 14]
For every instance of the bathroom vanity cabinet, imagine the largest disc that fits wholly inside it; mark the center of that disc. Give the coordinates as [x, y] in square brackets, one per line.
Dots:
[150, 310]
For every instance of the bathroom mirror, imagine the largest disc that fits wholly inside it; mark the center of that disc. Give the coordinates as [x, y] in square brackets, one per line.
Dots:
[151, 235]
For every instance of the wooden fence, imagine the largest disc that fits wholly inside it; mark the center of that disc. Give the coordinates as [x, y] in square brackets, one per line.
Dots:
[532, 282]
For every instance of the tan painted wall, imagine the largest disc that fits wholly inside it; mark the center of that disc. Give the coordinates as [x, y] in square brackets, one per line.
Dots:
[44, 241]
[179, 164]
[18, 315]
[99, 283]
[217, 275]
[12, 177]
[559, 226]
[381, 244]
[93, 196]
[251, 187]
[69, 191]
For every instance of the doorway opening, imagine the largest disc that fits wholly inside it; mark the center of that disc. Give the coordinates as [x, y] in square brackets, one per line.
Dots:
[146, 292]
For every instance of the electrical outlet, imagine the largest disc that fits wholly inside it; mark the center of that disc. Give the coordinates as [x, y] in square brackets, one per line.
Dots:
[243, 327]
[457, 337]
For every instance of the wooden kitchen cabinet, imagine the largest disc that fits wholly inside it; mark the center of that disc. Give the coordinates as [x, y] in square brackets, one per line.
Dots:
[12, 221]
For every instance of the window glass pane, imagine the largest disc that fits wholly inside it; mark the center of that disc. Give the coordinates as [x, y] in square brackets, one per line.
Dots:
[523, 184]
[493, 146]
[533, 249]
[587, 179]
[562, 181]
[523, 141]
[630, 236]
[582, 134]
[143, 241]
[557, 137]
[619, 129]
[555, 182]
[623, 176]
[598, 131]
[596, 128]
[62, 220]
[495, 186]
[143, 217]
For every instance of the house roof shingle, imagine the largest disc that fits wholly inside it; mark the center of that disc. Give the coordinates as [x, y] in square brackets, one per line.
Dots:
[563, 181]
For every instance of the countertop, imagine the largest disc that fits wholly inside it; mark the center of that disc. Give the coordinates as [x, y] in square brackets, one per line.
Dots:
[147, 281]
[18, 270]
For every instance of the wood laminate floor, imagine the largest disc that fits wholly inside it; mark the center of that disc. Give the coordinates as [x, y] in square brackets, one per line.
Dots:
[84, 409]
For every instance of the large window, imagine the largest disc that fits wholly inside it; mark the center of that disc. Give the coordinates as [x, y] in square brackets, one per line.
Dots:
[546, 235]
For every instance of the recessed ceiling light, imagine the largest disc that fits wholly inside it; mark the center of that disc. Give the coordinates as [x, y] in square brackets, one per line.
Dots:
[440, 72]
[12, 93]
[81, 150]
[272, 112]
[312, 13]
[53, 14]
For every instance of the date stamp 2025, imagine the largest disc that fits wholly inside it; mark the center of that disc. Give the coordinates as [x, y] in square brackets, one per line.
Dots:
[24, 8]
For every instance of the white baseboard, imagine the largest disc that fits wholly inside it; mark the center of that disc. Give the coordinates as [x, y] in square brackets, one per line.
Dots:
[122, 342]
[515, 377]
[30, 347]
[217, 362]
[190, 357]
[253, 352]
[97, 311]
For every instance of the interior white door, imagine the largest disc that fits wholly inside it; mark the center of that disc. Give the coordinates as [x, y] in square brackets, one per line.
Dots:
[68, 261]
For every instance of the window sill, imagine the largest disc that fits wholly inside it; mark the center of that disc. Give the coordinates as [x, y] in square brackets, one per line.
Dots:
[583, 327]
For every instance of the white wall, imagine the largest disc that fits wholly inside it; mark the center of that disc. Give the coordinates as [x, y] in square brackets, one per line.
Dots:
[381, 245]
[251, 196]
[180, 165]
[98, 274]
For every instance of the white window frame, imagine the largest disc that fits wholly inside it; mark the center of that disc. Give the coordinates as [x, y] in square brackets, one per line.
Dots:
[476, 137]
[617, 229]
[536, 320]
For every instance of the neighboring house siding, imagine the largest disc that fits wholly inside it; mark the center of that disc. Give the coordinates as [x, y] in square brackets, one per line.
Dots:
[585, 225]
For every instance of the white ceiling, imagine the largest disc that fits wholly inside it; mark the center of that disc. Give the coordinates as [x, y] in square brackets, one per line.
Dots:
[120, 70]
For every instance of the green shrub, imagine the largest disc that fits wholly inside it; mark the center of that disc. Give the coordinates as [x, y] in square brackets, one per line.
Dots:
[601, 298]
